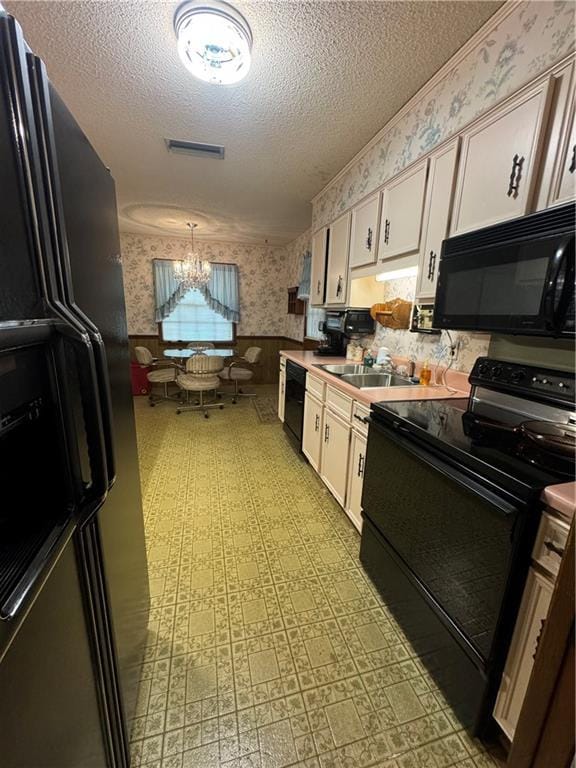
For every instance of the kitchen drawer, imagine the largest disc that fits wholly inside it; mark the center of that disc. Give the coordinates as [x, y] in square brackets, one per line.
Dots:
[339, 403]
[315, 386]
[550, 543]
[359, 413]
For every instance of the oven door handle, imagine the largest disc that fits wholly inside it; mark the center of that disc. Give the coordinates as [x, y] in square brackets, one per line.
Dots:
[403, 437]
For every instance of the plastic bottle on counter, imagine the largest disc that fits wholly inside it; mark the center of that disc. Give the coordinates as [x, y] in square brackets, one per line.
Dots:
[368, 359]
[425, 373]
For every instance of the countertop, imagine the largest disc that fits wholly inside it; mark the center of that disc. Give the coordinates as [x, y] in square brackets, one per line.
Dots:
[457, 381]
[559, 497]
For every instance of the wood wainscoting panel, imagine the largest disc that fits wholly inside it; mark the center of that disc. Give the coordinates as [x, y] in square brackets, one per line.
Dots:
[265, 373]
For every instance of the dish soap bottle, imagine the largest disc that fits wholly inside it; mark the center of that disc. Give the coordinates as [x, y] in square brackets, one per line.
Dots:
[425, 374]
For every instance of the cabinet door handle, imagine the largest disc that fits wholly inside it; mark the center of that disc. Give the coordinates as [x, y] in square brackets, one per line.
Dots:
[572, 166]
[542, 622]
[339, 286]
[551, 547]
[326, 433]
[317, 423]
[433, 266]
[369, 239]
[360, 472]
[318, 288]
[430, 265]
[387, 231]
[515, 176]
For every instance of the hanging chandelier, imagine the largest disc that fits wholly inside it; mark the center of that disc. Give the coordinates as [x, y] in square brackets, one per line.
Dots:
[192, 272]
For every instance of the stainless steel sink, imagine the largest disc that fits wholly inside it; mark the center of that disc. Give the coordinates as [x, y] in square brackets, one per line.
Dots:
[339, 370]
[367, 380]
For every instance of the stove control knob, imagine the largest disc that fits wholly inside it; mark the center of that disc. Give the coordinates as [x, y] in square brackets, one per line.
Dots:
[483, 368]
[544, 381]
[497, 371]
[561, 385]
[517, 376]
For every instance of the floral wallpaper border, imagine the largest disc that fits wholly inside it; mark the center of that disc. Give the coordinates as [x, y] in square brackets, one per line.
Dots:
[532, 37]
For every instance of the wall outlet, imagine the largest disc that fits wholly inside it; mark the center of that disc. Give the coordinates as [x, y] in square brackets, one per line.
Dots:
[455, 350]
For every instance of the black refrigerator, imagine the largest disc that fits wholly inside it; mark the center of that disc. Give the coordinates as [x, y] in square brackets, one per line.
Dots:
[74, 594]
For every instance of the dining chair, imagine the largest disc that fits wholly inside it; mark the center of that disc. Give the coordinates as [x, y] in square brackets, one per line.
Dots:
[164, 372]
[241, 369]
[201, 376]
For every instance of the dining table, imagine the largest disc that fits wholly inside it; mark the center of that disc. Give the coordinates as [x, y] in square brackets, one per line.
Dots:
[183, 354]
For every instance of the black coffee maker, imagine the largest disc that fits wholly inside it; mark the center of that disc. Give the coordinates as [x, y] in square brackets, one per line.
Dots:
[332, 343]
[338, 326]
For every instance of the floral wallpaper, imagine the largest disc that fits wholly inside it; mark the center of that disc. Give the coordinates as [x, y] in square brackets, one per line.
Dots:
[531, 38]
[422, 346]
[294, 328]
[263, 280]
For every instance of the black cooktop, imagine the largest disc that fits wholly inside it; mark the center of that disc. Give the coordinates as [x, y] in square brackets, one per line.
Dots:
[449, 427]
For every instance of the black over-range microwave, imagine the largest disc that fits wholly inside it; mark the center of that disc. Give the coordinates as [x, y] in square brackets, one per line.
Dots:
[516, 277]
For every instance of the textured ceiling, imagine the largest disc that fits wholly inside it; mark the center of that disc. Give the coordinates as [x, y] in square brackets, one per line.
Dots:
[325, 77]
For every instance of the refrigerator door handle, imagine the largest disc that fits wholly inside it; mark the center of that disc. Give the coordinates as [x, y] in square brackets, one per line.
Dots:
[42, 108]
[97, 490]
[105, 401]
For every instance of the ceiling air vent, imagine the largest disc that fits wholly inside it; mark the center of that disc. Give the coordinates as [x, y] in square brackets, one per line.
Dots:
[195, 148]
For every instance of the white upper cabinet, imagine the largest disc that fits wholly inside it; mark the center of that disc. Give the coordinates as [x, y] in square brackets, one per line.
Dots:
[401, 218]
[566, 189]
[499, 160]
[364, 237]
[337, 269]
[558, 177]
[437, 209]
[318, 270]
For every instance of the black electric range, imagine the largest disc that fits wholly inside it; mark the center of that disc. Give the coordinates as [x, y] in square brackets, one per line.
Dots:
[451, 504]
[501, 457]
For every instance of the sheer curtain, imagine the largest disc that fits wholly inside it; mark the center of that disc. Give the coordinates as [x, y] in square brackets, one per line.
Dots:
[194, 320]
[222, 293]
[304, 286]
[167, 290]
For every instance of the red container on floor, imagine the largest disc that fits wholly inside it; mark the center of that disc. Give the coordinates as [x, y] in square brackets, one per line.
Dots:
[140, 383]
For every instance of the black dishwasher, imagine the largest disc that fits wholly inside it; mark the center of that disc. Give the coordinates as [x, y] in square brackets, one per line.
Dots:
[294, 402]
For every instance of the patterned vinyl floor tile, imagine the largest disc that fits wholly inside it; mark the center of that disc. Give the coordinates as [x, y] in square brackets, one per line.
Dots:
[268, 646]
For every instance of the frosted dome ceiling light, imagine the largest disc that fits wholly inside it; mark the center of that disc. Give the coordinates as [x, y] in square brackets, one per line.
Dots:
[214, 41]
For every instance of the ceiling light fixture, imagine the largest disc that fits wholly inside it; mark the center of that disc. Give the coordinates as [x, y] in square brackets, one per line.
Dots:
[214, 41]
[192, 272]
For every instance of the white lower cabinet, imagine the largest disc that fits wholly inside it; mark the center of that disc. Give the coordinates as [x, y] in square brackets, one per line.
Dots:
[335, 449]
[281, 393]
[356, 479]
[334, 437]
[546, 557]
[531, 619]
[313, 430]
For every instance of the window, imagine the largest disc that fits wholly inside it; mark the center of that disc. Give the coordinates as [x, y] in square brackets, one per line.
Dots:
[314, 315]
[193, 320]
